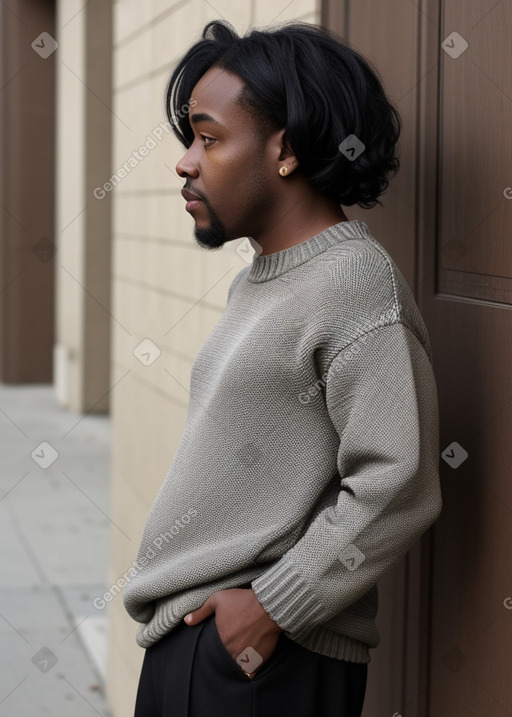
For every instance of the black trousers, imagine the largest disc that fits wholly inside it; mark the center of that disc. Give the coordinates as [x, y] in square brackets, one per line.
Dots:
[190, 673]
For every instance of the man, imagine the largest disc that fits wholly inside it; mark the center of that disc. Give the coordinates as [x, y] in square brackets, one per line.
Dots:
[309, 461]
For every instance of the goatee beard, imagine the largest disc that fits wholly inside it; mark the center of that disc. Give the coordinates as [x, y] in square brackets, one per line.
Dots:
[213, 236]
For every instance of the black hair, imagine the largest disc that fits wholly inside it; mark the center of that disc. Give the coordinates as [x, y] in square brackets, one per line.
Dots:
[303, 78]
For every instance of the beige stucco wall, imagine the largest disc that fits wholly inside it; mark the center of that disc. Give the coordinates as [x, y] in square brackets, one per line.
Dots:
[82, 223]
[69, 193]
[165, 288]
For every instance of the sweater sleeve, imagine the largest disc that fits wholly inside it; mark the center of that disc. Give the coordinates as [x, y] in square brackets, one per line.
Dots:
[381, 396]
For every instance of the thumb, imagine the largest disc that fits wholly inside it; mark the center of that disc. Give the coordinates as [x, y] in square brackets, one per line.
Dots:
[192, 618]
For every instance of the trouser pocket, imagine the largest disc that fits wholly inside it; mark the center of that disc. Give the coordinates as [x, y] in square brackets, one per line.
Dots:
[233, 665]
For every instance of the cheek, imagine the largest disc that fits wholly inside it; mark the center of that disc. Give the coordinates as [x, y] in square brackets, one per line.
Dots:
[221, 170]
[235, 176]
[228, 174]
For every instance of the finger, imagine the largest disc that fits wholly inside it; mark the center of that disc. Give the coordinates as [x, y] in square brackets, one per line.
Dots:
[192, 618]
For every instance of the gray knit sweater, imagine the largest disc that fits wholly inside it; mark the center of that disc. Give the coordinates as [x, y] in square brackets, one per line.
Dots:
[309, 461]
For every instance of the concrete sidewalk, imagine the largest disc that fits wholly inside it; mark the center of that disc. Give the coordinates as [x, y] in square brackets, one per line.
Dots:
[54, 547]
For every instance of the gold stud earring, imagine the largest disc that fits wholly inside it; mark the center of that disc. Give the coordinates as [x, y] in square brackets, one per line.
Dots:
[283, 171]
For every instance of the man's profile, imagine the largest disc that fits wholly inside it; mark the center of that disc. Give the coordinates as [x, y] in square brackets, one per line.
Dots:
[308, 465]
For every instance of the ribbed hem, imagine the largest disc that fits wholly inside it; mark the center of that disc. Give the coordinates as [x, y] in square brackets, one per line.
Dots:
[332, 644]
[268, 266]
[321, 640]
[288, 600]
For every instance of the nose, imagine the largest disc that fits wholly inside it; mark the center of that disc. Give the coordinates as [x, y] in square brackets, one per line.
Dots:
[187, 166]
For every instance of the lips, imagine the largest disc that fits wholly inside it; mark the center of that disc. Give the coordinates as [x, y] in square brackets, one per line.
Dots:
[190, 196]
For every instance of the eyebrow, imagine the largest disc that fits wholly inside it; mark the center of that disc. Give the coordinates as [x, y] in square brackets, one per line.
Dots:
[203, 117]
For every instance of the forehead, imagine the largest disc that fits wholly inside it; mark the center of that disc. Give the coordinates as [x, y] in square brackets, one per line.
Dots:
[215, 94]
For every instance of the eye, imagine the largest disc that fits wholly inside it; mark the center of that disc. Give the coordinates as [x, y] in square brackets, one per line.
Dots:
[206, 144]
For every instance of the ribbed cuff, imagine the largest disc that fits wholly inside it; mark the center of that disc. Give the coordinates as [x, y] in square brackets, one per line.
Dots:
[288, 599]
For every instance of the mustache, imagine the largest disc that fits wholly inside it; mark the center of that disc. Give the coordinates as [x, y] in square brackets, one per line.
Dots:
[194, 191]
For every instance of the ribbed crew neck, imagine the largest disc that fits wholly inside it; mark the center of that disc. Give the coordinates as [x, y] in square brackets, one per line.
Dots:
[268, 266]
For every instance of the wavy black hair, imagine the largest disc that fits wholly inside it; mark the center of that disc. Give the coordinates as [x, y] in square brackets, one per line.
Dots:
[303, 78]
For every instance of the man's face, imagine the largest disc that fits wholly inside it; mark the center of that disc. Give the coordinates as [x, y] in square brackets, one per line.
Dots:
[228, 165]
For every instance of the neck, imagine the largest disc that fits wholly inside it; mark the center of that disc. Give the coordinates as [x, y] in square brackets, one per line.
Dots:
[296, 218]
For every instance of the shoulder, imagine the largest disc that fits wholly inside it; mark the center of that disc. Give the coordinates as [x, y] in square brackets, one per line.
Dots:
[356, 274]
[357, 287]
[236, 280]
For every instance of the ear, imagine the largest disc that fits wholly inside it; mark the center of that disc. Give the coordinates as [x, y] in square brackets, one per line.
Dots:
[284, 150]
[287, 151]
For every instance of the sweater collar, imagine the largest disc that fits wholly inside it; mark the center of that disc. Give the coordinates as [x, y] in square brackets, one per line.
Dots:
[268, 266]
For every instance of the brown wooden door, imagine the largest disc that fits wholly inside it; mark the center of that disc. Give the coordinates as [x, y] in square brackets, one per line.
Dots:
[469, 314]
[446, 611]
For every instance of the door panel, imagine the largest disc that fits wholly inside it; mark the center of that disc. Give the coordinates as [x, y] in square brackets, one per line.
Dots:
[470, 324]
[474, 141]
[445, 613]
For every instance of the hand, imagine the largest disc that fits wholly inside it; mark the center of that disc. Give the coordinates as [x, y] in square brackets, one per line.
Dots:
[241, 622]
